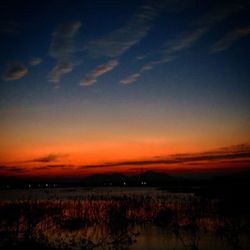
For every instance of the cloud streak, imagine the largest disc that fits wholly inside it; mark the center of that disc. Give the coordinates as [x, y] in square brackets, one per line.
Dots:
[91, 78]
[60, 69]
[62, 43]
[147, 67]
[14, 70]
[230, 38]
[47, 158]
[35, 61]
[62, 48]
[185, 40]
[169, 52]
[131, 78]
[220, 158]
[232, 153]
[12, 170]
[120, 40]
[17, 170]
[53, 167]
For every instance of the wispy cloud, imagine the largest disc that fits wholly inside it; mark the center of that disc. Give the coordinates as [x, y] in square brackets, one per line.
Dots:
[14, 70]
[131, 78]
[46, 158]
[173, 46]
[54, 166]
[60, 69]
[203, 25]
[12, 170]
[35, 61]
[62, 43]
[183, 41]
[147, 67]
[169, 52]
[98, 71]
[238, 155]
[120, 40]
[50, 158]
[62, 48]
[231, 153]
[230, 38]
[20, 170]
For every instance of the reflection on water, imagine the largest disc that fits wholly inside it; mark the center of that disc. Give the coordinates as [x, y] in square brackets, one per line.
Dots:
[120, 220]
[153, 237]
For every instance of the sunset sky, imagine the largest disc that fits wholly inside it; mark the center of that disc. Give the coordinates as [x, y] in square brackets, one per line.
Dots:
[93, 86]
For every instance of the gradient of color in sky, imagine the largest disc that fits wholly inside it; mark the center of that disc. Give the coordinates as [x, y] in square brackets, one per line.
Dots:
[96, 86]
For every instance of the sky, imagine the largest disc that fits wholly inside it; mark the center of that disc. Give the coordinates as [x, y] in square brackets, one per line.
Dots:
[118, 86]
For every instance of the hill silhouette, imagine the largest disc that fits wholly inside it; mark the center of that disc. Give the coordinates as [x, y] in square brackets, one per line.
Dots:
[219, 182]
[149, 178]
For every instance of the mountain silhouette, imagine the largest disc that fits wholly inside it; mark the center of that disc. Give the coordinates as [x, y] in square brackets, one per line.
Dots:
[105, 179]
[150, 178]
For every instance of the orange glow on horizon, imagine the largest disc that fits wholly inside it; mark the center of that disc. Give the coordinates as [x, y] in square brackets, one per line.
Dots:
[127, 157]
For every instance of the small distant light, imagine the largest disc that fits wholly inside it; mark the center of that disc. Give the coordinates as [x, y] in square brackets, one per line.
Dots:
[29, 186]
[124, 183]
[47, 185]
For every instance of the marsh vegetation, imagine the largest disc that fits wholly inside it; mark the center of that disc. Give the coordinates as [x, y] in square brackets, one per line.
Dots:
[122, 221]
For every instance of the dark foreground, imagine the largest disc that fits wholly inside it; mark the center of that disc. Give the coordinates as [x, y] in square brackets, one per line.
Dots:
[212, 216]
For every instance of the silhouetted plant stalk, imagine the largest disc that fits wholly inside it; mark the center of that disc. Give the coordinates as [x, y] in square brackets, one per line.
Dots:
[106, 222]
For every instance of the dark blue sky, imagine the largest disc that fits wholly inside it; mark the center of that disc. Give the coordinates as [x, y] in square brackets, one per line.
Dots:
[174, 72]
